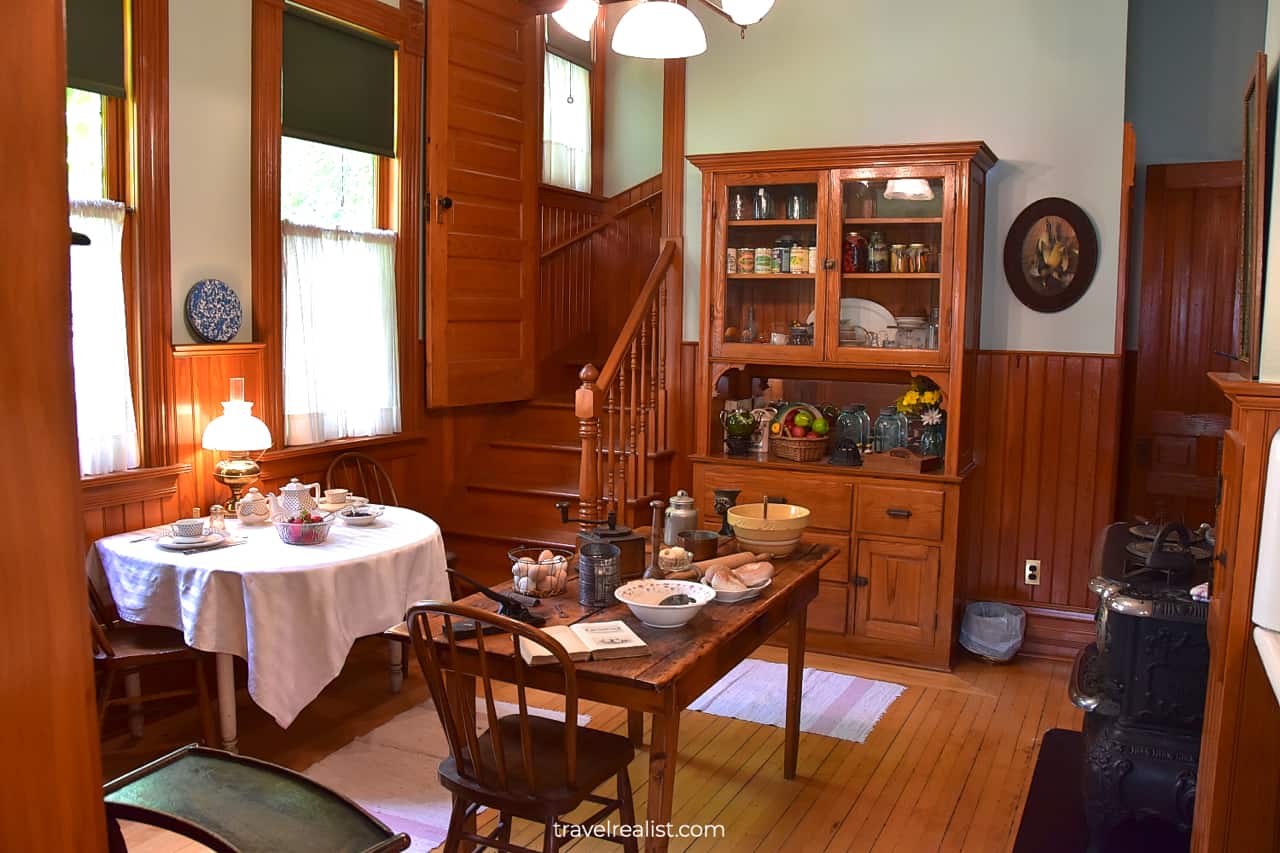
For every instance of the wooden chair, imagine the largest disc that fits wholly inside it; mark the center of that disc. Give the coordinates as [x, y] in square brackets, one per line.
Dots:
[522, 766]
[233, 804]
[123, 648]
[364, 476]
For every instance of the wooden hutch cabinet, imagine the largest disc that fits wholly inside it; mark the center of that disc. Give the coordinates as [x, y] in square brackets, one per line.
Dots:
[808, 323]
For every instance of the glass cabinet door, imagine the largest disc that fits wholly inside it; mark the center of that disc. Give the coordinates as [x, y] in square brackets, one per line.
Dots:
[770, 233]
[892, 303]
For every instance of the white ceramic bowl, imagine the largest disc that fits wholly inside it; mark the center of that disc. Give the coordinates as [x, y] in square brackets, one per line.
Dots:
[724, 596]
[368, 515]
[642, 597]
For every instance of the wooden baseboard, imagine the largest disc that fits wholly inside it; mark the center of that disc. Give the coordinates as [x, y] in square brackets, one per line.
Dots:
[1057, 633]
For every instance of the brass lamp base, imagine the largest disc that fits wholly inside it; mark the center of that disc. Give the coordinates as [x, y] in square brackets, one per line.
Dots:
[236, 472]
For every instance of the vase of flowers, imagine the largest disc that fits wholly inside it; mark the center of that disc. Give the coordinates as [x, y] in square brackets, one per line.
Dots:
[933, 437]
[922, 396]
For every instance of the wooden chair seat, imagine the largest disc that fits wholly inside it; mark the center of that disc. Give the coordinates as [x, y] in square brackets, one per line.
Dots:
[141, 645]
[600, 756]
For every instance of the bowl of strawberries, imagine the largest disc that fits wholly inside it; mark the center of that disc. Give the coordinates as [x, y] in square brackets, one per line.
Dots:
[304, 527]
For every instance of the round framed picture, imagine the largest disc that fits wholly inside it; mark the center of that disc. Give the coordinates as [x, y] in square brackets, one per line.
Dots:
[1050, 255]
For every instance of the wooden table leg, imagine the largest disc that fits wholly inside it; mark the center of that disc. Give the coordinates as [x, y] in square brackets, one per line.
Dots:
[635, 728]
[663, 750]
[227, 701]
[795, 678]
[396, 649]
[133, 690]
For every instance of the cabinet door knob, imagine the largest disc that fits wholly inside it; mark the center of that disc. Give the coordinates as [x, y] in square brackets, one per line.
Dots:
[829, 263]
[898, 513]
[859, 580]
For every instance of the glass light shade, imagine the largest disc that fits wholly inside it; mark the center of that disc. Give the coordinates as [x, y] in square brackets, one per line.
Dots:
[659, 30]
[909, 189]
[746, 12]
[236, 430]
[578, 17]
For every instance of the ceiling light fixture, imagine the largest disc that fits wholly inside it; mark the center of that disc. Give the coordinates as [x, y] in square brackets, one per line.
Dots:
[658, 29]
[746, 12]
[578, 17]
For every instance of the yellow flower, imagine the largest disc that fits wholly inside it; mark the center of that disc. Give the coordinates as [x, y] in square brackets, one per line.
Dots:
[911, 398]
[931, 397]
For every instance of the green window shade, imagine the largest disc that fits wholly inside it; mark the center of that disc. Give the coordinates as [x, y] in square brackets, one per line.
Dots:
[563, 43]
[339, 84]
[95, 46]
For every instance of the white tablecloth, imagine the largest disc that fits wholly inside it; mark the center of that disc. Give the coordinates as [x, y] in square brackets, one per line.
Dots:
[293, 612]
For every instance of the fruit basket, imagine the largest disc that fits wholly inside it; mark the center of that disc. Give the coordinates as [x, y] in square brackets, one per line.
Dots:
[799, 433]
[305, 529]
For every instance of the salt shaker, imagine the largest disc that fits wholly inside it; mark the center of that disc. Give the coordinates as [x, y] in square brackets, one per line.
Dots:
[217, 519]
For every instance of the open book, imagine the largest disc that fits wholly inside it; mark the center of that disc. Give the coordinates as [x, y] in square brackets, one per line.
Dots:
[587, 641]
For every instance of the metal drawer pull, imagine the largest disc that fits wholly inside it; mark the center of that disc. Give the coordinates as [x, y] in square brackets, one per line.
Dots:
[898, 513]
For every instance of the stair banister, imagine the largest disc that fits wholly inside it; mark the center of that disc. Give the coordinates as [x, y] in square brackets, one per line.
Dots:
[629, 394]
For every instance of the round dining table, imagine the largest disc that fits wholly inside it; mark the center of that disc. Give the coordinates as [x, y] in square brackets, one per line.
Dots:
[292, 612]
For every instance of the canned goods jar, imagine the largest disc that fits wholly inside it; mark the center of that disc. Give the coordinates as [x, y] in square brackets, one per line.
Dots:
[916, 258]
[799, 259]
[731, 265]
[764, 261]
[898, 258]
[813, 260]
[746, 260]
[781, 259]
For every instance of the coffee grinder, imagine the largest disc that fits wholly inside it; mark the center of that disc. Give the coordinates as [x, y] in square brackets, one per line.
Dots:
[631, 560]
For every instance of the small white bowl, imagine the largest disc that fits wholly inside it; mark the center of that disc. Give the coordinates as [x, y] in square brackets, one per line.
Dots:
[642, 597]
[369, 515]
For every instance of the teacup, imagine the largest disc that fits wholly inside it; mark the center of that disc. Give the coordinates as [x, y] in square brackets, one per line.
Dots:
[333, 497]
[187, 528]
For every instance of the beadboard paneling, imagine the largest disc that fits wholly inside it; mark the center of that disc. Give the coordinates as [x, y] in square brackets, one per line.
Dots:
[1048, 446]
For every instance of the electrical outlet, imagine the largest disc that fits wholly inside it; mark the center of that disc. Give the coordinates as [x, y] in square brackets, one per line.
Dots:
[1032, 572]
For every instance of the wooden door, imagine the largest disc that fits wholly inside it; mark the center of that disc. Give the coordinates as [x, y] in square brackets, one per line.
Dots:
[1190, 264]
[896, 592]
[50, 790]
[484, 127]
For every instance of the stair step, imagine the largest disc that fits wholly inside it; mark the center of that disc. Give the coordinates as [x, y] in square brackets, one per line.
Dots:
[562, 492]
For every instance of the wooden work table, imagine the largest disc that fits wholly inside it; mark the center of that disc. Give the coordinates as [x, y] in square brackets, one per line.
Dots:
[683, 663]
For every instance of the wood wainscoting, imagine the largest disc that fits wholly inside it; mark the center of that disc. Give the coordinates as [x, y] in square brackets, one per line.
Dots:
[1048, 456]
[595, 256]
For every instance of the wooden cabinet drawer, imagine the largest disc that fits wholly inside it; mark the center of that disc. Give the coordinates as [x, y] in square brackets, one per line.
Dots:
[837, 570]
[829, 499]
[900, 511]
[829, 612]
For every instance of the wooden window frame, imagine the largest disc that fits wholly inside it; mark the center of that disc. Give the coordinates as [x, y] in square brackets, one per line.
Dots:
[136, 157]
[597, 74]
[399, 198]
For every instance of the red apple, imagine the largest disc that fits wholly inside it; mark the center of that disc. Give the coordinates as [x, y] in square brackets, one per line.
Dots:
[798, 432]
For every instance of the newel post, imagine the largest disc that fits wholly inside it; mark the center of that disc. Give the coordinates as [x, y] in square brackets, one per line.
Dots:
[587, 409]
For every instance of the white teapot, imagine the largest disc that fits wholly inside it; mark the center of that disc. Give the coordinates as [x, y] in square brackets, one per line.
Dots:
[253, 508]
[295, 497]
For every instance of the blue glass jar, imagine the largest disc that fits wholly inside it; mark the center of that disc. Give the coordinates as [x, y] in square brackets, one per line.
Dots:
[890, 430]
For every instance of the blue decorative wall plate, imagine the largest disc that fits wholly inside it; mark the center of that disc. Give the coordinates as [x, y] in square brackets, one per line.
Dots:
[213, 311]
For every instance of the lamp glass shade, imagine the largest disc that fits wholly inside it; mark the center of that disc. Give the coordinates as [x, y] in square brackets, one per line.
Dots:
[909, 189]
[236, 430]
[578, 17]
[747, 12]
[659, 30]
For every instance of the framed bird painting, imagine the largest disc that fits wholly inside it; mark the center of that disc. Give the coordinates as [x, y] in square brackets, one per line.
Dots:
[1051, 254]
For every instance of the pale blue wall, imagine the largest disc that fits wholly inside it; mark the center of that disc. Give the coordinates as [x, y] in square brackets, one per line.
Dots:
[1041, 81]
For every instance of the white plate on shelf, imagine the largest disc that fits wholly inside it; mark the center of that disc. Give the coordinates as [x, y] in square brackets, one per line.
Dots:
[872, 316]
[209, 540]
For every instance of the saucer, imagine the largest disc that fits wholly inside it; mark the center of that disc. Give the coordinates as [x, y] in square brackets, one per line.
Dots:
[324, 507]
[209, 540]
[186, 540]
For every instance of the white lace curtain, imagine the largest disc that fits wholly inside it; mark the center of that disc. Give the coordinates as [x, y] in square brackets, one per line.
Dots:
[105, 419]
[341, 350]
[566, 127]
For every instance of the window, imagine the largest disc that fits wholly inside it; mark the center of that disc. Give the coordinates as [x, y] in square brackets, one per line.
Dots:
[566, 123]
[107, 426]
[340, 343]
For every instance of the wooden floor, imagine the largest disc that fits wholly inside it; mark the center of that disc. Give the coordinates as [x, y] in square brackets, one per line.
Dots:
[945, 769]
